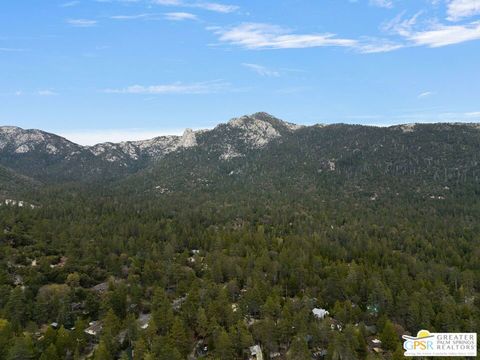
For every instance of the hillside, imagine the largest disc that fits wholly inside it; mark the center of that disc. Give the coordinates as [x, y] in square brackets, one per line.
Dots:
[225, 242]
[257, 150]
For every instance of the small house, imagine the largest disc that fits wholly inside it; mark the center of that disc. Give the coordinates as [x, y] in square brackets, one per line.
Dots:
[143, 321]
[94, 328]
[320, 313]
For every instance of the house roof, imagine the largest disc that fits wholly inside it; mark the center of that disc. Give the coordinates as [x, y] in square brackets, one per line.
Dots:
[94, 328]
[143, 320]
[320, 313]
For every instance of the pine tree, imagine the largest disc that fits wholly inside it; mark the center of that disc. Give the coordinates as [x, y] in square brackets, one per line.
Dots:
[298, 350]
[132, 329]
[79, 338]
[398, 354]
[162, 311]
[178, 336]
[362, 347]
[340, 349]
[50, 337]
[118, 301]
[6, 334]
[102, 352]
[16, 308]
[63, 342]
[202, 323]
[223, 346]
[112, 323]
[163, 349]
[139, 349]
[22, 349]
[111, 328]
[271, 307]
[389, 336]
[242, 339]
[190, 307]
[50, 353]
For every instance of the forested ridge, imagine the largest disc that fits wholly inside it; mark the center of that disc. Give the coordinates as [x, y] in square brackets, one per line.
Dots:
[194, 257]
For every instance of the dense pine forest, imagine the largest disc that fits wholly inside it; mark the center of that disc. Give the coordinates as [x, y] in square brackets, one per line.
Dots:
[200, 255]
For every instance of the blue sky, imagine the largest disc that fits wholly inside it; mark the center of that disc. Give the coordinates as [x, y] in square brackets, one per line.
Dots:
[97, 70]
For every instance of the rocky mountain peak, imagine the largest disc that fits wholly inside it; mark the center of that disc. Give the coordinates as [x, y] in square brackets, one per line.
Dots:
[188, 139]
[264, 116]
[10, 129]
[268, 118]
[25, 148]
[260, 128]
[21, 141]
[255, 132]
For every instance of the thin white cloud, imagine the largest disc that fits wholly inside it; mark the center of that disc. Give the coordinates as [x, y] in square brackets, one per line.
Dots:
[261, 70]
[373, 46]
[266, 36]
[221, 8]
[210, 6]
[90, 137]
[399, 25]
[443, 35]
[388, 4]
[412, 33]
[174, 88]
[70, 4]
[180, 16]
[475, 114]
[425, 94]
[432, 34]
[169, 2]
[132, 17]
[458, 9]
[82, 22]
[46, 92]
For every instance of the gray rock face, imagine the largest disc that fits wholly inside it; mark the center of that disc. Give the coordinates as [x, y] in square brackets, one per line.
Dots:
[241, 151]
[19, 141]
[46, 156]
[255, 131]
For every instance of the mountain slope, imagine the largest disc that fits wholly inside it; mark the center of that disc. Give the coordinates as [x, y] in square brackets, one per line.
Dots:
[13, 185]
[430, 157]
[259, 153]
[50, 157]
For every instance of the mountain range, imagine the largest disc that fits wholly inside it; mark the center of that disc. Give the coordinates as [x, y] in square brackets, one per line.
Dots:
[257, 150]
